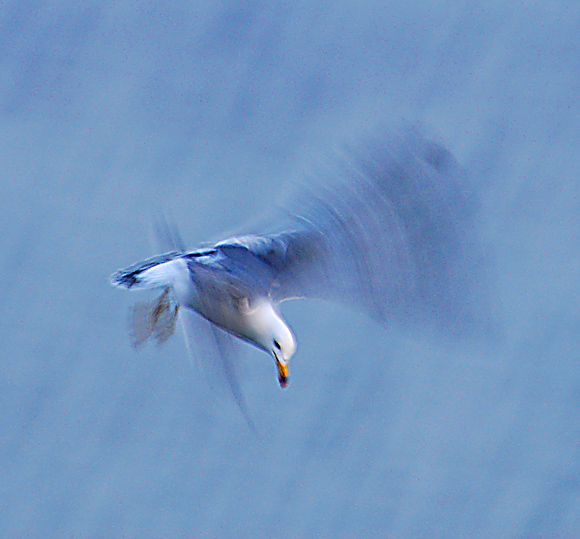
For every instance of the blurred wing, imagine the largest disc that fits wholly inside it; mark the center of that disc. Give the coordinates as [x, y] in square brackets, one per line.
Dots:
[278, 265]
[153, 319]
[211, 348]
[389, 228]
[214, 351]
[167, 235]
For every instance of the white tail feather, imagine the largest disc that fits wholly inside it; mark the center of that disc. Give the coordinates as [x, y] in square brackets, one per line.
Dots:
[162, 275]
[160, 272]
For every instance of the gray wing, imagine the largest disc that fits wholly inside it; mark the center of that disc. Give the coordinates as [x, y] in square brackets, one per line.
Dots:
[388, 228]
[212, 349]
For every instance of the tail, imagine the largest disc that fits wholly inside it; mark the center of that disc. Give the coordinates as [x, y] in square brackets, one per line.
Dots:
[156, 272]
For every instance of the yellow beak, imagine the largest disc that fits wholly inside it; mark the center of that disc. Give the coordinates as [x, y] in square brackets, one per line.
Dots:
[282, 373]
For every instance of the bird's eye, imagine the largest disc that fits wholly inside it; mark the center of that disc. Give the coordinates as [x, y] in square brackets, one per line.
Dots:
[277, 345]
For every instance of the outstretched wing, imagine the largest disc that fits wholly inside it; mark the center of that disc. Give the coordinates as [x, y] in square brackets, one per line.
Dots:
[389, 227]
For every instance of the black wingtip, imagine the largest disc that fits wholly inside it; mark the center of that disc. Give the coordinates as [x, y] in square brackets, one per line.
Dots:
[124, 279]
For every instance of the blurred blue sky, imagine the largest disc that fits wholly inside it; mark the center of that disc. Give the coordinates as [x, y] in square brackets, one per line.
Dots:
[210, 109]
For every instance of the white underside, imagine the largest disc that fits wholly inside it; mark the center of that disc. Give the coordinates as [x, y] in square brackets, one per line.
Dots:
[258, 321]
[174, 274]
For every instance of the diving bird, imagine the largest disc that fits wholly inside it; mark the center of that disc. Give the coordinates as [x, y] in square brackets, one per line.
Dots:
[386, 226]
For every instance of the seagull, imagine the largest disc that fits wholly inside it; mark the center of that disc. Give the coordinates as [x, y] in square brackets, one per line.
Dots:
[387, 226]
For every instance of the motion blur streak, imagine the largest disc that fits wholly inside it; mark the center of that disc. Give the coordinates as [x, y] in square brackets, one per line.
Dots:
[210, 111]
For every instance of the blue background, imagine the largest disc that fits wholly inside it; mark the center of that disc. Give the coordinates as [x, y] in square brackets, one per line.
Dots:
[210, 109]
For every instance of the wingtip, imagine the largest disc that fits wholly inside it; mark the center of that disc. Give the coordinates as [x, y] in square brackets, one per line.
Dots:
[123, 279]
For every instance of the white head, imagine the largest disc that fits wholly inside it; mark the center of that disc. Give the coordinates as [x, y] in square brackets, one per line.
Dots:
[282, 347]
[272, 334]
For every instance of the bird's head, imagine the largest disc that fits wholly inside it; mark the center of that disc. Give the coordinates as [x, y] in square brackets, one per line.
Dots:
[282, 347]
[266, 328]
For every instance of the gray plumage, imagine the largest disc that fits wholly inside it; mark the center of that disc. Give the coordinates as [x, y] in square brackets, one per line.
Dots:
[387, 227]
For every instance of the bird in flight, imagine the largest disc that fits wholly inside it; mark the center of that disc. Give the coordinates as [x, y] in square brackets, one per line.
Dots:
[386, 227]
